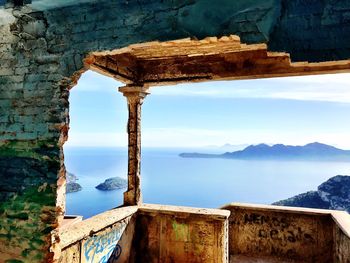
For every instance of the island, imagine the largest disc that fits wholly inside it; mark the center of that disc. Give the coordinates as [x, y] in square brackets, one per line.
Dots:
[312, 151]
[332, 194]
[113, 184]
[72, 186]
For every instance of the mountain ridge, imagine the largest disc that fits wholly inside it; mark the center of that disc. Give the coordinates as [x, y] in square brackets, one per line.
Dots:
[313, 151]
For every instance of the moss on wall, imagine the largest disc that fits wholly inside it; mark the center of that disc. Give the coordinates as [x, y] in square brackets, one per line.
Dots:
[28, 187]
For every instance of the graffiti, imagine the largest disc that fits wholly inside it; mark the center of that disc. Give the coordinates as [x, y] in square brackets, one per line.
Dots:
[276, 229]
[262, 219]
[104, 248]
[272, 234]
[292, 236]
[288, 253]
[115, 254]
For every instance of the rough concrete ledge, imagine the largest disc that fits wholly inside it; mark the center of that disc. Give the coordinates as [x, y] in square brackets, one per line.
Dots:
[73, 233]
[341, 218]
[70, 220]
[217, 214]
[275, 208]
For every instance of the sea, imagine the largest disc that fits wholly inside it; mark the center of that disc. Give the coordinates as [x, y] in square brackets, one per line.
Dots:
[206, 183]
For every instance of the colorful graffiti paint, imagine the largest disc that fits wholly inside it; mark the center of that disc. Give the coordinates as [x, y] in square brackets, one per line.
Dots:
[103, 247]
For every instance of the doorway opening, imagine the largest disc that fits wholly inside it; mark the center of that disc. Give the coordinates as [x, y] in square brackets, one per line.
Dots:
[96, 150]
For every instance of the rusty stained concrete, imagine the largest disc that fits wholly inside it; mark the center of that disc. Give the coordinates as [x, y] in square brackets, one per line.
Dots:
[166, 234]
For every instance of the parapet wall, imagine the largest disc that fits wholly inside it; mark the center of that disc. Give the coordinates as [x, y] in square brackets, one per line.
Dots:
[167, 234]
[302, 235]
[107, 237]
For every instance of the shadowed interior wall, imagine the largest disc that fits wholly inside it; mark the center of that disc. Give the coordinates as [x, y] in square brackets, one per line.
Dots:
[41, 57]
[181, 235]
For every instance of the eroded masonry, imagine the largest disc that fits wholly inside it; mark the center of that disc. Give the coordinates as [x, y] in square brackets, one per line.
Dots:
[46, 46]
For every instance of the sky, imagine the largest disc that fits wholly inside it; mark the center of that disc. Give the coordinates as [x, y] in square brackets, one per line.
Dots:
[290, 110]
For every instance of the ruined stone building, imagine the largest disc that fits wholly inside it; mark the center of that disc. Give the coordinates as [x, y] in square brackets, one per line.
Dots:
[46, 45]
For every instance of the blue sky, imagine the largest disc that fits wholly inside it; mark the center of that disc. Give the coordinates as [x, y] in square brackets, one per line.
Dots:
[293, 110]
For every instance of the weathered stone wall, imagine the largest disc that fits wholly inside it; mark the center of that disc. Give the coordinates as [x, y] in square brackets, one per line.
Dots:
[281, 234]
[41, 57]
[30, 158]
[313, 30]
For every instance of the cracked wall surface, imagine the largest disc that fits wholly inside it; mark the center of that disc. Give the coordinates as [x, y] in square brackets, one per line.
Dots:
[42, 48]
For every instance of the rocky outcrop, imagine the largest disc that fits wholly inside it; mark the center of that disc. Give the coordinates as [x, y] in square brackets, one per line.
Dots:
[72, 185]
[332, 194]
[112, 184]
[336, 191]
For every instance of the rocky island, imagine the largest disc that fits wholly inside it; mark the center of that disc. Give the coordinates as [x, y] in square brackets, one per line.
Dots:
[72, 186]
[312, 151]
[112, 184]
[332, 194]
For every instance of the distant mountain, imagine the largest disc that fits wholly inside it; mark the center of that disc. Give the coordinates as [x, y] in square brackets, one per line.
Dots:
[332, 194]
[311, 151]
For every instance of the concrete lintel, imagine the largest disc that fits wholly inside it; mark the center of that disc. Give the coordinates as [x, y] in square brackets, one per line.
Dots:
[217, 214]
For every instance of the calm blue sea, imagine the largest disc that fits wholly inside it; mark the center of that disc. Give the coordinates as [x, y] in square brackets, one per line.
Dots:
[170, 179]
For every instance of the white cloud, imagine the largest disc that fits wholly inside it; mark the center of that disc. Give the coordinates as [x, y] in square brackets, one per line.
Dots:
[333, 88]
[98, 139]
[330, 87]
[92, 81]
[184, 137]
[187, 137]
